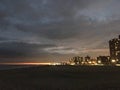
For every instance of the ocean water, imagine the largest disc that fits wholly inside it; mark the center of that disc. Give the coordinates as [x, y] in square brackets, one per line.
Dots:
[6, 67]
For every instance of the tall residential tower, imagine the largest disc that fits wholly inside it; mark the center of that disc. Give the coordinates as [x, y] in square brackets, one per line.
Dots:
[114, 46]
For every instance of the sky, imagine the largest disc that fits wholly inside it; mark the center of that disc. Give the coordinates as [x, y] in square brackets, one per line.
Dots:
[56, 30]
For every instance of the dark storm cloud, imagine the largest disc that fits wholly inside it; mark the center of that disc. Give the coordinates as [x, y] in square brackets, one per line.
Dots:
[22, 49]
[71, 26]
[49, 19]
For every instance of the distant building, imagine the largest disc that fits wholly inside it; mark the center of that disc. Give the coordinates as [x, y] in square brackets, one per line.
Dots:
[104, 60]
[114, 46]
[76, 60]
[87, 58]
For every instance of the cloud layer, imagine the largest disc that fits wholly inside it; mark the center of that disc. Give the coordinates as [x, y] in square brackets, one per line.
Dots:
[45, 29]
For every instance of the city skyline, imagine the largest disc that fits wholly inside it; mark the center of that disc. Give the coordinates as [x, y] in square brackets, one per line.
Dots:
[55, 30]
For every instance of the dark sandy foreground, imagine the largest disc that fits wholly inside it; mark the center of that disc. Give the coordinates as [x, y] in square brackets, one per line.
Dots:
[61, 78]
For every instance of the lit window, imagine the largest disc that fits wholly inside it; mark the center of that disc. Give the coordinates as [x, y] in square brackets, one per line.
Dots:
[113, 61]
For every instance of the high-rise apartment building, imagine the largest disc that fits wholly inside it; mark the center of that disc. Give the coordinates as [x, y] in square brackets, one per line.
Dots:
[114, 46]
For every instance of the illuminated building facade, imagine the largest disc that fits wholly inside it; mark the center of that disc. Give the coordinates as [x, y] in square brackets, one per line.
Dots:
[114, 46]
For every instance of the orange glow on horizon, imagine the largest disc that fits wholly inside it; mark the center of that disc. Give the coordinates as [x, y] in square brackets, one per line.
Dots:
[25, 63]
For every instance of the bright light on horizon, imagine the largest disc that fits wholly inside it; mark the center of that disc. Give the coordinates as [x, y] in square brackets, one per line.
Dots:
[25, 63]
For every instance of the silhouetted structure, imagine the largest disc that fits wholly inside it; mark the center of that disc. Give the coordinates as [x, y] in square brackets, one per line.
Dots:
[114, 46]
[87, 58]
[76, 60]
[104, 60]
